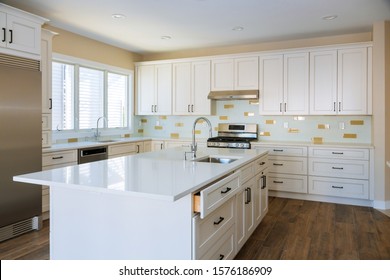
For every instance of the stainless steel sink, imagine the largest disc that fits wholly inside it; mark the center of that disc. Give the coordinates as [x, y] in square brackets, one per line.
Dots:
[214, 159]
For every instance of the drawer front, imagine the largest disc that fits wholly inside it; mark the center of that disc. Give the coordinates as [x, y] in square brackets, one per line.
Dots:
[289, 165]
[209, 230]
[338, 153]
[288, 151]
[247, 172]
[218, 193]
[223, 249]
[59, 158]
[261, 164]
[339, 187]
[354, 169]
[287, 183]
[123, 149]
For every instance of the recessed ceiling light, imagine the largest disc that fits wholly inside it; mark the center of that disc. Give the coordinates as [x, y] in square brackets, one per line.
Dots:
[166, 37]
[331, 17]
[238, 28]
[117, 16]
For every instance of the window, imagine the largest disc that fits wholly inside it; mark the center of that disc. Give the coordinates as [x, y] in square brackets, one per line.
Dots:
[83, 93]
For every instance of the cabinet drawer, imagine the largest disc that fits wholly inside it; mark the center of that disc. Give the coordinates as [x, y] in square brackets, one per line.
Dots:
[355, 169]
[59, 158]
[216, 194]
[287, 183]
[119, 149]
[223, 249]
[288, 151]
[261, 164]
[289, 165]
[209, 230]
[338, 187]
[338, 153]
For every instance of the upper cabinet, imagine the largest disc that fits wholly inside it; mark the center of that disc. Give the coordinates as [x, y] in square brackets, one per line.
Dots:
[340, 82]
[154, 89]
[191, 85]
[234, 74]
[20, 32]
[284, 84]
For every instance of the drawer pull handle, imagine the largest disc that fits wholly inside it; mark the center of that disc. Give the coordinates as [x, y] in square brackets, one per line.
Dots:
[278, 182]
[264, 182]
[278, 150]
[219, 221]
[337, 187]
[60, 157]
[262, 163]
[278, 164]
[248, 192]
[221, 257]
[338, 168]
[337, 153]
[226, 191]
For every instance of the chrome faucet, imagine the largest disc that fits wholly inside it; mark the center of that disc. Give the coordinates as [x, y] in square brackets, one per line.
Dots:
[97, 133]
[194, 146]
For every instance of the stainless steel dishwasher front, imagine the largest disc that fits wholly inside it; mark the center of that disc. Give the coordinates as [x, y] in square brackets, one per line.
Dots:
[92, 154]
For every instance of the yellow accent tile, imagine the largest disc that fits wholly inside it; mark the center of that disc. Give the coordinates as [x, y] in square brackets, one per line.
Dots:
[175, 135]
[350, 135]
[253, 102]
[293, 130]
[216, 128]
[265, 133]
[249, 114]
[198, 132]
[321, 126]
[357, 122]
[144, 120]
[163, 117]
[127, 135]
[179, 124]
[317, 140]
[158, 127]
[223, 118]
[228, 106]
[270, 121]
[72, 140]
[140, 131]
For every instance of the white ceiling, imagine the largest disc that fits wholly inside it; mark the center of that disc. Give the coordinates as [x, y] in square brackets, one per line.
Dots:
[196, 24]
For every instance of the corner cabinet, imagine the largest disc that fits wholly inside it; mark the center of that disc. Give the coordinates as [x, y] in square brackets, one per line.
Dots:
[154, 89]
[20, 32]
[341, 82]
[191, 86]
[284, 84]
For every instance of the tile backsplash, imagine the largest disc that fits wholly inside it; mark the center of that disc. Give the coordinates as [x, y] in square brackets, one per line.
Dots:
[343, 129]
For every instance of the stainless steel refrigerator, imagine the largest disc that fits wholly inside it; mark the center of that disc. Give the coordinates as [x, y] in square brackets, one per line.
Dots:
[20, 144]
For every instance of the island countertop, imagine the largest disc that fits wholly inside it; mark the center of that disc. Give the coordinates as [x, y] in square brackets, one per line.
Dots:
[163, 175]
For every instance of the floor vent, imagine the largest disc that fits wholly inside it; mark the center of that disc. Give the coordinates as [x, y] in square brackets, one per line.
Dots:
[19, 228]
[19, 62]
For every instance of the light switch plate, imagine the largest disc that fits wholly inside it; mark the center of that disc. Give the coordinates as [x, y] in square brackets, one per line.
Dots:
[285, 124]
[341, 125]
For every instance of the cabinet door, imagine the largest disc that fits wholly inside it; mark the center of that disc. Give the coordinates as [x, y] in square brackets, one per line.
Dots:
[201, 88]
[271, 85]
[46, 69]
[3, 29]
[23, 35]
[352, 81]
[182, 89]
[296, 84]
[163, 80]
[145, 89]
[222, 75]
[157, 145]
[323, 82]
[246, 73]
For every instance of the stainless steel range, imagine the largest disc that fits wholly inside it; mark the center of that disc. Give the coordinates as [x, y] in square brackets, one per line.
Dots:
[234, 135]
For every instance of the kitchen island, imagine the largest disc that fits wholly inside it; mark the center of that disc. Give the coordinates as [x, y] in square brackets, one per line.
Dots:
[143, 206]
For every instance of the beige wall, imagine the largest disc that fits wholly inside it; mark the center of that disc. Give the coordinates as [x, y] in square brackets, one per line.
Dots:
[71, 44]
[381, 116]
[301, 43]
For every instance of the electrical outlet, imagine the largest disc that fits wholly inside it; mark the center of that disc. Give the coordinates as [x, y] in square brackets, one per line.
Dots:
[285, 124]
[341, 125]
[157, 123]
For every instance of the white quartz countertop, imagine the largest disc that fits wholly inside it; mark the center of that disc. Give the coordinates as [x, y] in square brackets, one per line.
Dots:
[160, 175]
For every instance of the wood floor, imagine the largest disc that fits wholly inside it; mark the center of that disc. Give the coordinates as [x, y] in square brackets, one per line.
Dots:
[292, 229]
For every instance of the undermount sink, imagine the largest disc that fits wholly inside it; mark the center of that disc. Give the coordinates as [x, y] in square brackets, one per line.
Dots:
[215, 159]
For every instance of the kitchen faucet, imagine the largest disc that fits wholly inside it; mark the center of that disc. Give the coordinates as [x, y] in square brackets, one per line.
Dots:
[194, 146]
[97, 133]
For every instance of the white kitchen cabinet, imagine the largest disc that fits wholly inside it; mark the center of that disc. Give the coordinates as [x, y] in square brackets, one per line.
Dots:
[235, 73]
[246, 212]
[20, 32]
[154, 89]
[284, 84]
[340, 82]
[191, 86]
[118, 150]
[157, 145]
[261, 196]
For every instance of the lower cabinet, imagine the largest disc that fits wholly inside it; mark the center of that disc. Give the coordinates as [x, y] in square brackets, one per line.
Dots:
[132, 148]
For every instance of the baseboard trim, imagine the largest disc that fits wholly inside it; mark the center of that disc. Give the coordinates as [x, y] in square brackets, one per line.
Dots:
[381, 204]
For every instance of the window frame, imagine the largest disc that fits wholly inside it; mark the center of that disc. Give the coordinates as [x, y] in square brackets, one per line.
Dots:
[88, 133]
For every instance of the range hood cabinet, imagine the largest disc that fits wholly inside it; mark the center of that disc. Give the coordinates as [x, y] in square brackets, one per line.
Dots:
[234, 95]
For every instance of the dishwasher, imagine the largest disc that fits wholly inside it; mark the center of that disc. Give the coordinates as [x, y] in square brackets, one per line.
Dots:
[92, 154]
